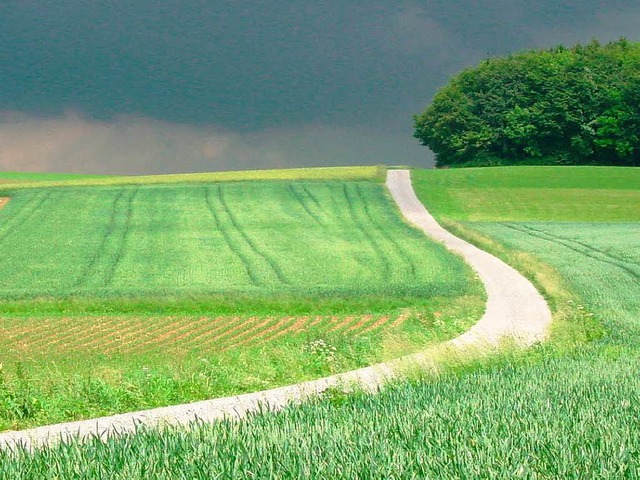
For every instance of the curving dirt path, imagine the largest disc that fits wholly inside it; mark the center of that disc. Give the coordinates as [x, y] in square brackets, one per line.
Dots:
[3, 201]
[514, 306]
[514, 309]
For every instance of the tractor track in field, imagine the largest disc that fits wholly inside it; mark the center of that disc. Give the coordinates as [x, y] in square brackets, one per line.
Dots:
[246, 263]
[578, 247]
[273, 265]
[31, 208]
[356, 218]
[406, 258]
[301, 201]
[514, 310]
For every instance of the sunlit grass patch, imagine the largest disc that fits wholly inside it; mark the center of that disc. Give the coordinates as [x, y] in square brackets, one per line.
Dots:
[320, 173]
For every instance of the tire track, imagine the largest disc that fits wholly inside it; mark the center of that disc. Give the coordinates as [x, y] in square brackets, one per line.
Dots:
[111, 225]
[234, 221]
[313, 198]
[384, 261]
[37, 203]
[304, 205]
[229, 241]
[571, 246]
[372, 219]
[122, 241]
[588, 247]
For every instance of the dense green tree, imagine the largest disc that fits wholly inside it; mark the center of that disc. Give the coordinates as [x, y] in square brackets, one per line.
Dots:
[577, 105]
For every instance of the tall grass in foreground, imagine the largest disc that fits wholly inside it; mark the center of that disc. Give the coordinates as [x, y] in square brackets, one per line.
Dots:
[576, 419]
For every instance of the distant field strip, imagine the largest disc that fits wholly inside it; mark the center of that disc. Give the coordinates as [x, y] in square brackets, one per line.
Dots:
[22, 180]
[316, 238]
[565, 194]
[58, 338]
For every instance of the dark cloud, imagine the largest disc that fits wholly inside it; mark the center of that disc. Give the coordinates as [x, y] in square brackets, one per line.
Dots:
[271, 77]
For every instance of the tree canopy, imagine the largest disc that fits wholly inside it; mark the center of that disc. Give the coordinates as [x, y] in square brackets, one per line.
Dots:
[578, 105]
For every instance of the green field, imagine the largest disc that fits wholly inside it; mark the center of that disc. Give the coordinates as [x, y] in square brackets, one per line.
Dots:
[324, 239]
[30, 177]
[121, 297]
[568, 409]
[573, 194]
[19, 180]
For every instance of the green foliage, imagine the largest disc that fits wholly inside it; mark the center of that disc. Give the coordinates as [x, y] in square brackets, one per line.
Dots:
[558, 419]
[557, 106]
[65, 379]
[587, 254]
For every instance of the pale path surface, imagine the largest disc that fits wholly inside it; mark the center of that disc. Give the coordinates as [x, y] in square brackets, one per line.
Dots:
[514, 309]
[514, 306]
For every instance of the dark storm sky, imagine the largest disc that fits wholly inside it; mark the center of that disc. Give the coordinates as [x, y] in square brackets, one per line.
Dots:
[161, 86]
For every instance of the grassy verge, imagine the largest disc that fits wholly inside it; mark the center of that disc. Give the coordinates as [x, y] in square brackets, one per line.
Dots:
[33, 177]
[113, 374]
[574, 418]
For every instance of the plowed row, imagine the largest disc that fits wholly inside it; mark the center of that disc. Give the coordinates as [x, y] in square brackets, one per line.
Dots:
[172, 335]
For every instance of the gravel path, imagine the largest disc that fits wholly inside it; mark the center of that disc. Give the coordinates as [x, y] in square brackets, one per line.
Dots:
[514, 309]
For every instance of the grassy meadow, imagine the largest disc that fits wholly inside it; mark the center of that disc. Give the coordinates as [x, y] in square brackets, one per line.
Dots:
[526, 194]
[567, 409]
[323, 240]
[121, 297]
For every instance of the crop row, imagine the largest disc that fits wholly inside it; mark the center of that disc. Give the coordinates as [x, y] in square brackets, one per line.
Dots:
[51, 338]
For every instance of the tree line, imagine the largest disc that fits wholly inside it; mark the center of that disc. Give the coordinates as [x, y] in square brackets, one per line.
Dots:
[578, 105]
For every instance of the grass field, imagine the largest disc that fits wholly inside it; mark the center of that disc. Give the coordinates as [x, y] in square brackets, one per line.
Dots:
[574, 194]
[568, 409]
[116, 298]
[31, 177]
[29, 180]
[322, 239]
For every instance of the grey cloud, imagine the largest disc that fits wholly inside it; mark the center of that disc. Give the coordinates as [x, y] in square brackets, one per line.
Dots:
[343, 77]
[130, 145]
